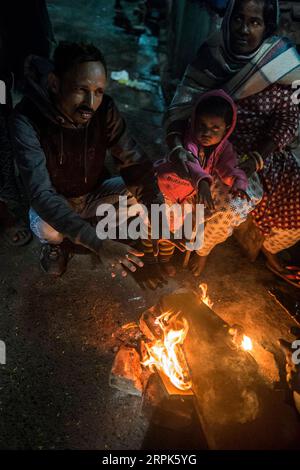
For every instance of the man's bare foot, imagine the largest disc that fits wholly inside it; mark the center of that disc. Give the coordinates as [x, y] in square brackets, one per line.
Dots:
[197, 264]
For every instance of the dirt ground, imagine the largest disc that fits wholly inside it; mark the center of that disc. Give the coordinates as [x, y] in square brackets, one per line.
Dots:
[59, 334]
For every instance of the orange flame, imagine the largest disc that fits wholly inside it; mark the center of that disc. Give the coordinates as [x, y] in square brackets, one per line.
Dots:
[204, 297]
[247, 344]
[166, 353]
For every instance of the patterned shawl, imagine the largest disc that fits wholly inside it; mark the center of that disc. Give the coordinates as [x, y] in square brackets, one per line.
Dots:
[216, 66]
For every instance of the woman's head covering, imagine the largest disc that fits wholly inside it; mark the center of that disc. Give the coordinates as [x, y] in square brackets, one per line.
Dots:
[274, 20]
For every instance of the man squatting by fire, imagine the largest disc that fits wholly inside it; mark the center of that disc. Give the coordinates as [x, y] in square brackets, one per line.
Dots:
[61, 132]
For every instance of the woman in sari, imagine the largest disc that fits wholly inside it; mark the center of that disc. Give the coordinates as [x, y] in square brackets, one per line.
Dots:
[257, 69]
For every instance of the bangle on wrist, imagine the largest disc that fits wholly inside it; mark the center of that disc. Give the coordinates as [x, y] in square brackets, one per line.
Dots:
[258, 160]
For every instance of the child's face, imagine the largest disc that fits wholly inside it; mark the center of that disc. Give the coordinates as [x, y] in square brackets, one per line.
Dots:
[210, 130]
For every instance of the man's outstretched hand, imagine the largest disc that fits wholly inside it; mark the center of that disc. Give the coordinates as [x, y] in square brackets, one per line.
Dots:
[120, 258]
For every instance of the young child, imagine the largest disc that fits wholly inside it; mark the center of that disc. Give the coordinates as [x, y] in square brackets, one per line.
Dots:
[206, 137]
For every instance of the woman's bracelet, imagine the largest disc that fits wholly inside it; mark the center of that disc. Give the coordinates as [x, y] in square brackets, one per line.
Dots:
[258, 160]
[256, 156]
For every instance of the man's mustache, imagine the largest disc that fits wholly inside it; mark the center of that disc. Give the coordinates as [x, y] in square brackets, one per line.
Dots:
[85, 109]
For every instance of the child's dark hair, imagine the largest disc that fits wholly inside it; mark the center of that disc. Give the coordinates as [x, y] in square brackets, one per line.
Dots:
[215, 106]
[68, 54]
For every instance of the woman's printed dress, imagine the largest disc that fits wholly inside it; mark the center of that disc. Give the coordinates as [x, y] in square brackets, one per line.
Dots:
[272, 113]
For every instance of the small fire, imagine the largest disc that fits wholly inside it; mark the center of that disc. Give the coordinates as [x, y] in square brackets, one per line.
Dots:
[166, 353]
[204, 297]
[247, 344]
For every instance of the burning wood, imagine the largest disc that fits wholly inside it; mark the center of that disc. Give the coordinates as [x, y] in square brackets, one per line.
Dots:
[204, 297]
[166, 354]
[160, 347]
[128, 335]
[172, 412]
[199, 351]
[239, 339]
[247, 344]
[148, 326]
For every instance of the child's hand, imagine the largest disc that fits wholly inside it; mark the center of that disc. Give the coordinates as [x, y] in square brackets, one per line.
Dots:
[181, 157]
[204, 195]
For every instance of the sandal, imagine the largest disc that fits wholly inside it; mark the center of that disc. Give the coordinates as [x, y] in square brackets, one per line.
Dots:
[290, 274]
[19, 230]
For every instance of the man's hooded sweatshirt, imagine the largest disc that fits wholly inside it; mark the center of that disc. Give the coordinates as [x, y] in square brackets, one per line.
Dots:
[58, 162]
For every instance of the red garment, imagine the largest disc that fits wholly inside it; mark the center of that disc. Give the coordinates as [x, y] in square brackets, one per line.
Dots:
[272, 113]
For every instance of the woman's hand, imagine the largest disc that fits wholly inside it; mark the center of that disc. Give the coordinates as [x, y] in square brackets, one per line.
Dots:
[204, 195]
[181, 157]
[249, 167]
[251, 162]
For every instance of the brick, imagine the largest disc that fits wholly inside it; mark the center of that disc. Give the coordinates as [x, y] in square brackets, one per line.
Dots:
[126, 373]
